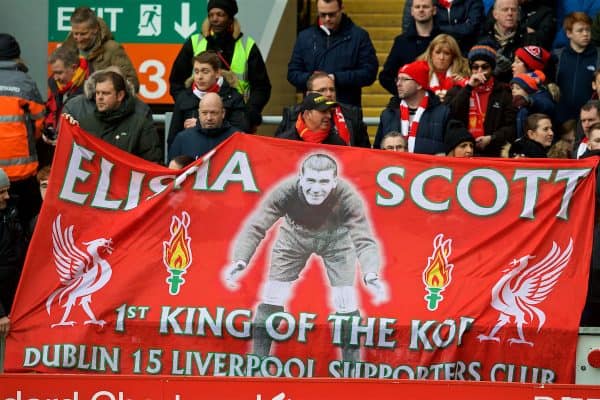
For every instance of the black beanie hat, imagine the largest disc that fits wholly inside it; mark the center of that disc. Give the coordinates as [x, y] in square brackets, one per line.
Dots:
[456, 133]
[229, 6]
[9, 48]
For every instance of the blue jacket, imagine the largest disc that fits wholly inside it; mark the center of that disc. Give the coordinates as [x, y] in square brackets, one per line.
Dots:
[574, 74]
[406, 48]
[197, 141]
[541, 102]
[566, 7]
[432, 126]
[347, 53]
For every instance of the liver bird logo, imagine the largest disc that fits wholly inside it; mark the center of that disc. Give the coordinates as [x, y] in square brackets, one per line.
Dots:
[522, 288]
[81, 273]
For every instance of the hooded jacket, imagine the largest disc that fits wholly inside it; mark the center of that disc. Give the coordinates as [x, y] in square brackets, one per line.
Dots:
[125, 129]
[347, 53]
[106, 52]
[21, 118]
[84, 104]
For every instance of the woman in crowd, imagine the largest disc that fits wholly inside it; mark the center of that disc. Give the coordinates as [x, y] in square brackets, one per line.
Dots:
[447, 66]
[538, 138]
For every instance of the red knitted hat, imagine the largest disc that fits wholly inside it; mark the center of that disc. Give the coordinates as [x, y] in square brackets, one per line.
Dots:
[534, 57]
[419, 71]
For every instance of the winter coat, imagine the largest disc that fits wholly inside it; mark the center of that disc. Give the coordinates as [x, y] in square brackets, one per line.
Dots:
[431, 130]
[224, 44]
[566, 7]
[21, 119]
[462, 21]
[574, 74]
[106, 52]
[406, 48]
[359, 137]
[540, 102]
[83, 104]
[527, 148]
[187, 103]
[197, 141]
[500, 115]
[13, 246]
[347, 53]
[125, 129]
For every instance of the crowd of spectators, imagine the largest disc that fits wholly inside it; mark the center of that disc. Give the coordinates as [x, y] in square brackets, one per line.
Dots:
[467, 78]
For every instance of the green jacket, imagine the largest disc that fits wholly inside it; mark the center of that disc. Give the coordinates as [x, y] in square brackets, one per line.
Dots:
[126, 129]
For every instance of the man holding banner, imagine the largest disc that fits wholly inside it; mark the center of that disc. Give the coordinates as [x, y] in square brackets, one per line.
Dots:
[323, 215]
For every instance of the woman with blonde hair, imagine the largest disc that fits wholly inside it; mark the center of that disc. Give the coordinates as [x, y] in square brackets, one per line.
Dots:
[447, 66]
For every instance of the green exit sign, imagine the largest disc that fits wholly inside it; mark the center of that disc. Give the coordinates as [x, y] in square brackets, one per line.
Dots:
[134, 21]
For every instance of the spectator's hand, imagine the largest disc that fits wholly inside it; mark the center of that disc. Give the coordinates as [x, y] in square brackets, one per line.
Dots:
[190, 123]
[232, 273]
[530, 30]
[521, 101]
[478, 78]
[4, 326]
[377, 288]
[482, 141]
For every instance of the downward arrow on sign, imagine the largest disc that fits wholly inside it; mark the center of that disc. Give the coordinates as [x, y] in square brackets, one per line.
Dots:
[185, 29]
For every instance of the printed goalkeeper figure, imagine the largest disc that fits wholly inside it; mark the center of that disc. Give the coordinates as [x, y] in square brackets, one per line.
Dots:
[323, 215]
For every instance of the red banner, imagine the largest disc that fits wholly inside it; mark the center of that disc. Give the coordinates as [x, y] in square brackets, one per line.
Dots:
[281, 259]
[102, 387]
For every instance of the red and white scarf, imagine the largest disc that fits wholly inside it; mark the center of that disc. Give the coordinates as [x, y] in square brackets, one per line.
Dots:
[213, 89]
[340, 124]
[478, 107]
[582, 147]
[445, 3]
[409, 128]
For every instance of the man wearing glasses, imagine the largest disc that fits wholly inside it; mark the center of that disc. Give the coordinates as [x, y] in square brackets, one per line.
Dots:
[484, 105]
[337, 46]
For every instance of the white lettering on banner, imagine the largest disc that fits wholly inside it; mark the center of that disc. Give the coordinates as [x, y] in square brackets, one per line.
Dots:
[155, 77]
[106, 395]
[392, 193]
[63, 22]
[420, 333]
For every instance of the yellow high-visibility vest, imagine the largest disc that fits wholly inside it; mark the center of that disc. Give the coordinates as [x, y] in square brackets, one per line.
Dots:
[239, 61]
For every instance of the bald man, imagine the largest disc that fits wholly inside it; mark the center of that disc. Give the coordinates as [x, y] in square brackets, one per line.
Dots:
[213, 129]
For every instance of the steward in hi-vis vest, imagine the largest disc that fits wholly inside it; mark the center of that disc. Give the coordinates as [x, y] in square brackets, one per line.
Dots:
[238, 53]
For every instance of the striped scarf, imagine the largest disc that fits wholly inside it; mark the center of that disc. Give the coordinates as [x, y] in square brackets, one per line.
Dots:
[213, 89]
[408, 128]
[340, 124]
[80, 75]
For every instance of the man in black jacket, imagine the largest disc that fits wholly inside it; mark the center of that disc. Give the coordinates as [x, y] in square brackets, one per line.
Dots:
[13, 246]
[411, 43]
[346, 119]
[116, 121]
